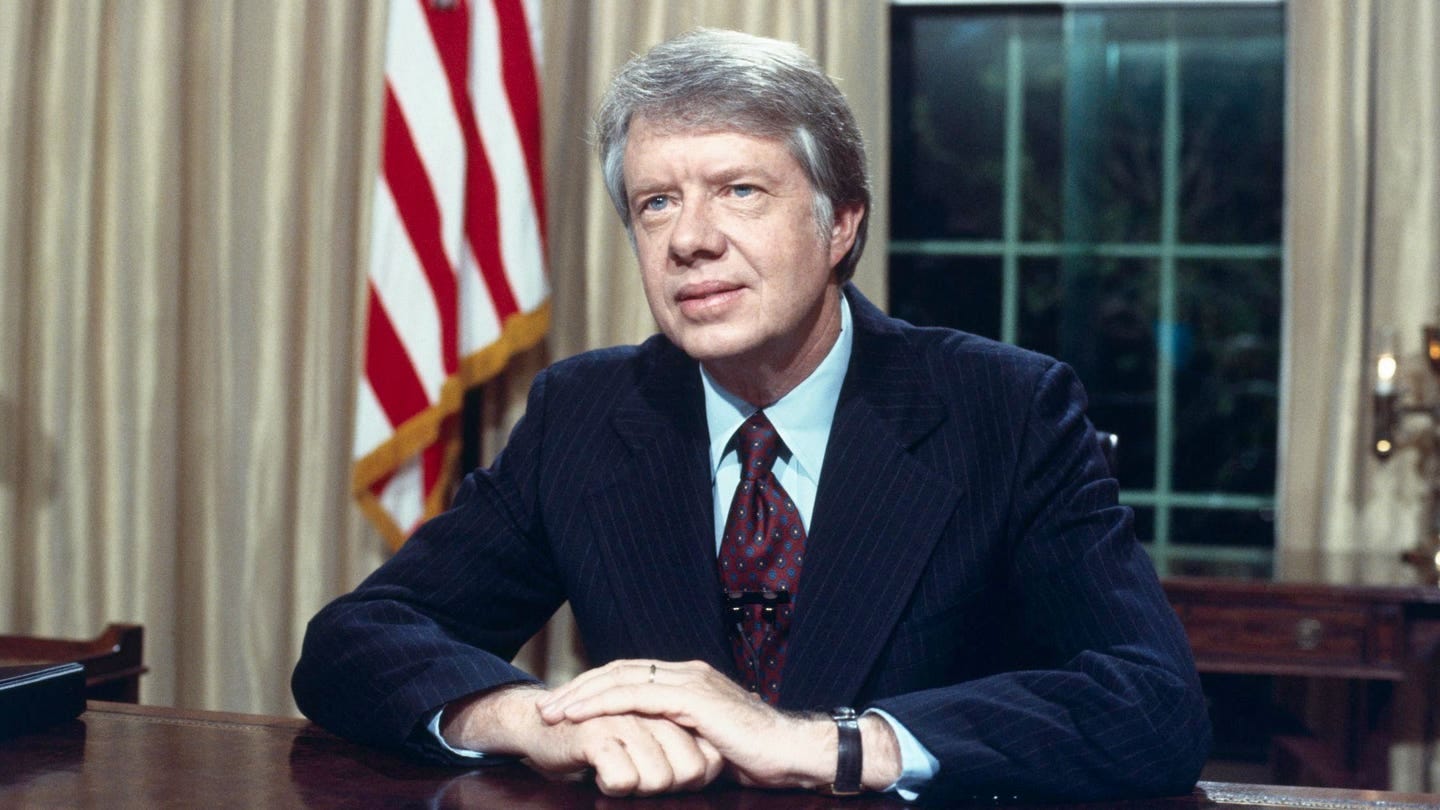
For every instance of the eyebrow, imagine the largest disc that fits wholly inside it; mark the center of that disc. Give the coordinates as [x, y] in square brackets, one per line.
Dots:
[723, 176]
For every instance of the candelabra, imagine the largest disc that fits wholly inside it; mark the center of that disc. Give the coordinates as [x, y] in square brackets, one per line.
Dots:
[1410, 415]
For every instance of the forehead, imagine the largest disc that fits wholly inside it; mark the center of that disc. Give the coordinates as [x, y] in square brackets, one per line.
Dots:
[660, 146]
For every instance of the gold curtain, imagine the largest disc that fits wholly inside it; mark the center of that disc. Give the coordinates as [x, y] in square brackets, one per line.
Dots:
[184, 192]
[182, 187]
[1362, 244]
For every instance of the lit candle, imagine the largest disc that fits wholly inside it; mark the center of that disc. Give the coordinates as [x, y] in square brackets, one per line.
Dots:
[1385, 374]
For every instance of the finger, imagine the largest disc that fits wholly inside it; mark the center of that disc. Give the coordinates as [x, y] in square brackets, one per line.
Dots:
[615, 673]
[689, 764]
[714, 760]
[654, 771]
[673, 702]
[597, 682]
[615, 772]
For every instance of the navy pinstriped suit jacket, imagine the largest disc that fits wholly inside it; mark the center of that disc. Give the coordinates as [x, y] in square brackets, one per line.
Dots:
[967, 568]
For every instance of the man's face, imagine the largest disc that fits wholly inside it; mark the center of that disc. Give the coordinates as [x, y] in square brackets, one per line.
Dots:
[731, 258]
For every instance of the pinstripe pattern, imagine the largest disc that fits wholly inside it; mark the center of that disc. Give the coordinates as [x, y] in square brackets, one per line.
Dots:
[967, 569]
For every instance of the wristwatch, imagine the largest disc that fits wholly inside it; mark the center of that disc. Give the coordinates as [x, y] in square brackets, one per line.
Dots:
[848, 759]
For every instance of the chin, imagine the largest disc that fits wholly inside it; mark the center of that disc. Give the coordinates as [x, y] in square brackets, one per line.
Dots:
[710, 345]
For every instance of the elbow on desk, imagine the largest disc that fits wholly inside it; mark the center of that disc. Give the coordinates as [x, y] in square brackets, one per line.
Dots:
[1178, 748]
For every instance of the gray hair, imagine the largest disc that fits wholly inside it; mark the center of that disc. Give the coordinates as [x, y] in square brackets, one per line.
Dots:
[726, 81]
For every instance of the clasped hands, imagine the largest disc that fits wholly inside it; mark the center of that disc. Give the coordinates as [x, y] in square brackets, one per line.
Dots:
[649, 727]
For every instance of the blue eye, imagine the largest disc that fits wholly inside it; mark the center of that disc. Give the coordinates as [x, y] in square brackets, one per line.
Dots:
[656, 203]
[742, 190]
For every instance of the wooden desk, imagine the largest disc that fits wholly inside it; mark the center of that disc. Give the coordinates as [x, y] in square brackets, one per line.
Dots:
[119, 756]
[1363, 617]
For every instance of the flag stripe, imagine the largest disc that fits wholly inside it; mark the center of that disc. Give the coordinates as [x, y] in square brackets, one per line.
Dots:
[450, 30]
[518, 224]
[457, 281]
[404, 495]
[372, 424]
[402, 287]
[400, 393]
[405, 175]
[415, 72]
[523, 89]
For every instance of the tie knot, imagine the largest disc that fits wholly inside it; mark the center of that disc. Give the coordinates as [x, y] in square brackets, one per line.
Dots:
[758, 445]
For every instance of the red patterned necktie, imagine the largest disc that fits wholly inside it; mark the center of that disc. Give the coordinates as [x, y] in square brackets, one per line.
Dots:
[760, 557]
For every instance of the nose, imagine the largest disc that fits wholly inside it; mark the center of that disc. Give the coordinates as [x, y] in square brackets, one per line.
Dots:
[696, 234]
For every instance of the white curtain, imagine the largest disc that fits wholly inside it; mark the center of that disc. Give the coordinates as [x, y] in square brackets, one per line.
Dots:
[181, 187]
[1362, 242]
[184, 188]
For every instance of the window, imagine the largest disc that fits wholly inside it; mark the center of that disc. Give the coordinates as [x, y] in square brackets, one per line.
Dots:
[1103, 184]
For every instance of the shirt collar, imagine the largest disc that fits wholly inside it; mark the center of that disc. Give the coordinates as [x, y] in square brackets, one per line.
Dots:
[801, 417]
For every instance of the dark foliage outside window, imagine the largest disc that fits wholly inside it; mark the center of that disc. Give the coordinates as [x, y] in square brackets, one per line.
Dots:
[1104, 184]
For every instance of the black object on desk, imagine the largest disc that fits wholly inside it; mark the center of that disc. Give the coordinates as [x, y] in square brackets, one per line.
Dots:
[36, 696]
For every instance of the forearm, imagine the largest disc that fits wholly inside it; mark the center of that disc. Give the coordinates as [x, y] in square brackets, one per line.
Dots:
[1100, 731]
[501, 721]
[881, 763]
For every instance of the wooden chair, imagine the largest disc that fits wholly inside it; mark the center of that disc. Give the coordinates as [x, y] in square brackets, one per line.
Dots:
[112, 661]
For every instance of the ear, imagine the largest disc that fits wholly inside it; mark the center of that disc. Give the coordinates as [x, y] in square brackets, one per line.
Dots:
[842, 233]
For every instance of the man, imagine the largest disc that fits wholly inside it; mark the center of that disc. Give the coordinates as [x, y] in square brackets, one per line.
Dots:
[914, 525]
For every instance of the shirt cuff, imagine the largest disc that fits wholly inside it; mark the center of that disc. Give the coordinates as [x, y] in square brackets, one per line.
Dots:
[434, 728]
[917, 765]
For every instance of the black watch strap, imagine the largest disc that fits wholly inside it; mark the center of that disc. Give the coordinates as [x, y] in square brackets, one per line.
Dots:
[849, 754]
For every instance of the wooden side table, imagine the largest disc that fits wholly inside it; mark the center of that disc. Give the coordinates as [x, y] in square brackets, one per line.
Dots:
[1366, 618]
[113, 660]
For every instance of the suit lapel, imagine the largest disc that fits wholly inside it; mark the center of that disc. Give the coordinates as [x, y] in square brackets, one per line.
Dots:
[654, 518]
[877, 516]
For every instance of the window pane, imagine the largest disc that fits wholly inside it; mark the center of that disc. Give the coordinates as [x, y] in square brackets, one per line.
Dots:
[1227, 363]
[1114, 124]
[1143, 149]
[1224, 527]
[959, 292]
[1144, 523]
[948, 164]
[1098, 315]
[1043, 164]
[1233, 81]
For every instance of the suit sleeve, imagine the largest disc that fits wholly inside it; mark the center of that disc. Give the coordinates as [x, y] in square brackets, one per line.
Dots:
[442, 618]
[1109, 703]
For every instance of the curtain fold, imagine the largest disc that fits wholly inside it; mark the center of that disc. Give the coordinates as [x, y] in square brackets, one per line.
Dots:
[1362, 244]
[183, 204]
[1362, 239]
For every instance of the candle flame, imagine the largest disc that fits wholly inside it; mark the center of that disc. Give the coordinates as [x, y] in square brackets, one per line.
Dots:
[1386, 366]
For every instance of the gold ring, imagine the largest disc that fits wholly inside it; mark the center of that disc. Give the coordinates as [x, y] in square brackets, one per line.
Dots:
[652, 673]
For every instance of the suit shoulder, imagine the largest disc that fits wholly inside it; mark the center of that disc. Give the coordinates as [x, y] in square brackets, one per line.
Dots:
[611, 363]
[959, 355]
[592, 383]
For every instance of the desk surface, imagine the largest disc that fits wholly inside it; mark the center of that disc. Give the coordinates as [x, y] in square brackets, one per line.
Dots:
[117, 755]
[1362, 572]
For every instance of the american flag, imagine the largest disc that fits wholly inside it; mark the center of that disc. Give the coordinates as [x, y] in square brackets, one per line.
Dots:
[457, 261]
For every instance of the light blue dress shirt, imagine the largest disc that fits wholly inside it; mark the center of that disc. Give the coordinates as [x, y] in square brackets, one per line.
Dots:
[802, 418]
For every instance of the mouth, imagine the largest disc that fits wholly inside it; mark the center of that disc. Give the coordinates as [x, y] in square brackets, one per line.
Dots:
[706, 297]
